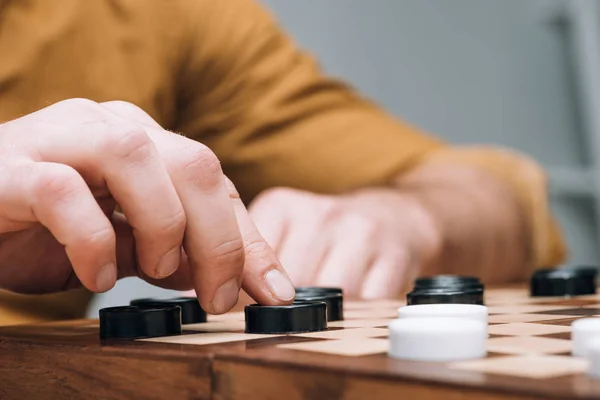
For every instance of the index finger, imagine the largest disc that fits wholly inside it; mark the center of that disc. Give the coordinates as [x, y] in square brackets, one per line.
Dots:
[264, 278]
[212, 241]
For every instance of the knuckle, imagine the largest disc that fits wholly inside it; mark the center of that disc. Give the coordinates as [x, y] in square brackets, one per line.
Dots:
[96, 240]
[174, 225]
[333, 211]
[129, 142]
[57, 183]
[256, 247]
[228, 255]
[322, 205]
[400, 256]
[202, 167]
[124, 106]
[362, 225]
[276, 195]
[129, 110]
[77, 103]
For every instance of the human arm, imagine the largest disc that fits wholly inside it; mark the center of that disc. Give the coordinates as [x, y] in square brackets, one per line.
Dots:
[277, 121]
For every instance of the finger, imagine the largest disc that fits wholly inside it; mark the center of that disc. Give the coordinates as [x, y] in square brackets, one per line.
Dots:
[121, 156]
[307, 238]
[57, 197]
[264, 279]
[271, 219]
[128, 265]
[354, 240]
[389, 275]
[213, 242]
[303, 249]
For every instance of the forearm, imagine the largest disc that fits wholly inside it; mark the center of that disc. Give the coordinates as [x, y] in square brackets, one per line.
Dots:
[481, 226]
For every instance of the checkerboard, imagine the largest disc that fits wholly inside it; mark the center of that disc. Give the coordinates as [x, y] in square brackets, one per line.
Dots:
[529, 355]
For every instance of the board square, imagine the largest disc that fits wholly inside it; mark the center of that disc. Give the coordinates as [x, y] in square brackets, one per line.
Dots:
[526, 329]
[528, 345]
[565, 320]
[230, 316]
[525, 308]
[373, 304]
[530, 366]
[207, 338]
[348, 347]
[579, 311]
[371, 314]
[360, 323]
[216, 326]
[354, 333]
[506, 318]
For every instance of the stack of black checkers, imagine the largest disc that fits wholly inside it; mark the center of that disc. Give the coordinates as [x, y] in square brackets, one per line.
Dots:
[446, 289]
[563, 282]
[145, 318]
[310, 312]
[191, 312]
[333, 297]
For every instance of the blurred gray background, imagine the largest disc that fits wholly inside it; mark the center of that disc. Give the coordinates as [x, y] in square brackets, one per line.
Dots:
[468, 71]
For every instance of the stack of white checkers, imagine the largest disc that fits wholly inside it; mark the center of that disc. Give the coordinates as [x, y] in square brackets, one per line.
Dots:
[439, 332]
[585, 337]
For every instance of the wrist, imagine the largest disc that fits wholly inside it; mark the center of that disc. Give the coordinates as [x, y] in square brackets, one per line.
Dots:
[480, 222]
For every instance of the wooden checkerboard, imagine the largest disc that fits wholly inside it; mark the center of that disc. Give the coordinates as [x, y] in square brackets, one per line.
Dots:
[528, 358]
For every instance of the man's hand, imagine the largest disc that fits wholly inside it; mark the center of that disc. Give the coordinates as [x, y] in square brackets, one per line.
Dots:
[63, 171]
[371, 243]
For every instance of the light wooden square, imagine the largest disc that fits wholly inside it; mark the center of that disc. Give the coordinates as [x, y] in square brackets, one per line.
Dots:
[524, 308]
[346, 347]
[588, 297]
[207, 338]
[506, 318]
[526, 329]
[529, 345]
[591, 306]
[231, 316]
[373, 304]
[216, 326]
[354, 333]
[360, 323]
[517, 301]
[533, 367]
[379, 313]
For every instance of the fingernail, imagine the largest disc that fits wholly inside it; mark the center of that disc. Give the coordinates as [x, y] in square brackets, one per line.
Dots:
[226, 296]
[106, 277]
[168, 263]
[279, 285]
